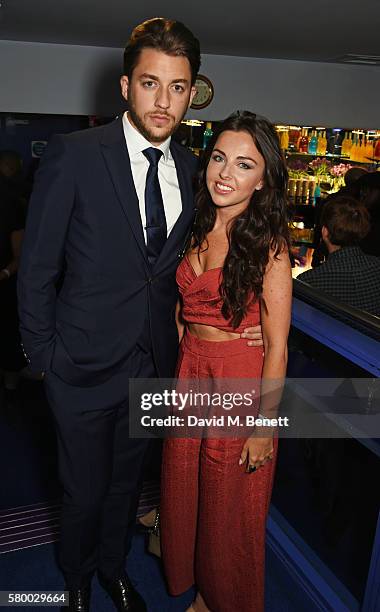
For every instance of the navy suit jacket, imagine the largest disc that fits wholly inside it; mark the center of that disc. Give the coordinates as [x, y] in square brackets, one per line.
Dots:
[86, 289]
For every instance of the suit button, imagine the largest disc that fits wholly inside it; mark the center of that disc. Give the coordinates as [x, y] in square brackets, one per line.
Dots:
[150, 280]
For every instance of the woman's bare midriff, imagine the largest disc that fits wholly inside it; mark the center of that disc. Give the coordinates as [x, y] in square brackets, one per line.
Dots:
[212, 334]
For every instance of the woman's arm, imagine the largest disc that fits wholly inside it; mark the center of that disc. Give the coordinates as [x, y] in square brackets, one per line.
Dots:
[179, 321]
[275, 315]
[275, 322]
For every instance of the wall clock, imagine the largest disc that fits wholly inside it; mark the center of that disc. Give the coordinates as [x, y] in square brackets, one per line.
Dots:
[205, 92]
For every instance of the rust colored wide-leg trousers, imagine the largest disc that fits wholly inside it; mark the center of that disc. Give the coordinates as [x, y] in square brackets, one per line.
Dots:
[213, 513]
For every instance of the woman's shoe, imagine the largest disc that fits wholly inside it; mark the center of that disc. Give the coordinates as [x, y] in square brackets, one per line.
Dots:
[198, 605]
[150, 524]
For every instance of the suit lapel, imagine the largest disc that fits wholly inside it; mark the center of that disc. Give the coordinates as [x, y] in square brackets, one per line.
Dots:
[115, 153]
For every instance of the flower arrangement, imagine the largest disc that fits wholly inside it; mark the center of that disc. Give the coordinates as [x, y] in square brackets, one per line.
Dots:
[339, 170]
[319, 166]
[330, 177]
[297, 168]
[337, 173]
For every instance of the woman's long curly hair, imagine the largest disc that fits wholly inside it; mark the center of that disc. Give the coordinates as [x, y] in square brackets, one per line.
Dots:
[261, 227]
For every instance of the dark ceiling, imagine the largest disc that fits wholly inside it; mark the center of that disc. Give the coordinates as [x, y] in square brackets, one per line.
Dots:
[297, 29]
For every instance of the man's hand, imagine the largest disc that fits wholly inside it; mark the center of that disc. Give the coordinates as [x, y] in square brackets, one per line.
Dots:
[254, 335]
[4, 275]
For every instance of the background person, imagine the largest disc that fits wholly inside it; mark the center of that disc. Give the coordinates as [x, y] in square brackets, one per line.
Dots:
[353, 174]
[367, 190]
[12, 224]
[349, 274]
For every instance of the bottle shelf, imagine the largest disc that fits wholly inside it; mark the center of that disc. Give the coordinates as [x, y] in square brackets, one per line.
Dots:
[295, 205]
[371, 160]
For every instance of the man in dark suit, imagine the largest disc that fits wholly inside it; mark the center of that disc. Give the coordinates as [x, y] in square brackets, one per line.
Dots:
[108, 218]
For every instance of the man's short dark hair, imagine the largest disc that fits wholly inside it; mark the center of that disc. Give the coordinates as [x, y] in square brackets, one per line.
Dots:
[166, 35]
[346, 219]
[353, 174]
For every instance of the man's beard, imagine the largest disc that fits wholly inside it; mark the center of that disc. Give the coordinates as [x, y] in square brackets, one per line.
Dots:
[138, 122]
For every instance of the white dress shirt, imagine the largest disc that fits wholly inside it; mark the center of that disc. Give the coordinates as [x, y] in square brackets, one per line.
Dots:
[167, 174]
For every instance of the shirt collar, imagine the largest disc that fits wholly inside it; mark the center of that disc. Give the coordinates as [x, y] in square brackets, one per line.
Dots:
[136, 142]
[343, 251]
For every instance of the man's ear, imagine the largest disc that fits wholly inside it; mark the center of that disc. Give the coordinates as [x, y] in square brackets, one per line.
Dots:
[124, 84]
[324, 232]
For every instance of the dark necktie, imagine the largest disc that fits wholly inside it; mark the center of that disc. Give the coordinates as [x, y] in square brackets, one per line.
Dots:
[156, 231]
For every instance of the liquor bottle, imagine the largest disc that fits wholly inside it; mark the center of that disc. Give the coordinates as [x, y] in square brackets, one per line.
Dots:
[317, 194]
[363, 145]
[284, 140]
[344, 147]
[313, 143]
[292, 190]
[299, 140]
[293, 135]
[319, 135]
[298, 199]
[303, 142]
[305, 192]
[207, 134]
[360, 150]
[377, 150]
[369, 151]
[322, 144]
[354, 148]
[349, 144]
[312, 188]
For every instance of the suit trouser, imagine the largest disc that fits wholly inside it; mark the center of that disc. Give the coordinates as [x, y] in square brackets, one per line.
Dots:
[100, 469]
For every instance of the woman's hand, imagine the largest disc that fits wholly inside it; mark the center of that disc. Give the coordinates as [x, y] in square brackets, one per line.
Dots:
[256, 452]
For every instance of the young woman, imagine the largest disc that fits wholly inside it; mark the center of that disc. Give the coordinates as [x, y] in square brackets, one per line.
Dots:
[216, 492]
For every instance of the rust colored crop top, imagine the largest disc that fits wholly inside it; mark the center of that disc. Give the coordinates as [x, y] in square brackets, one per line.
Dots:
[202, 303]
